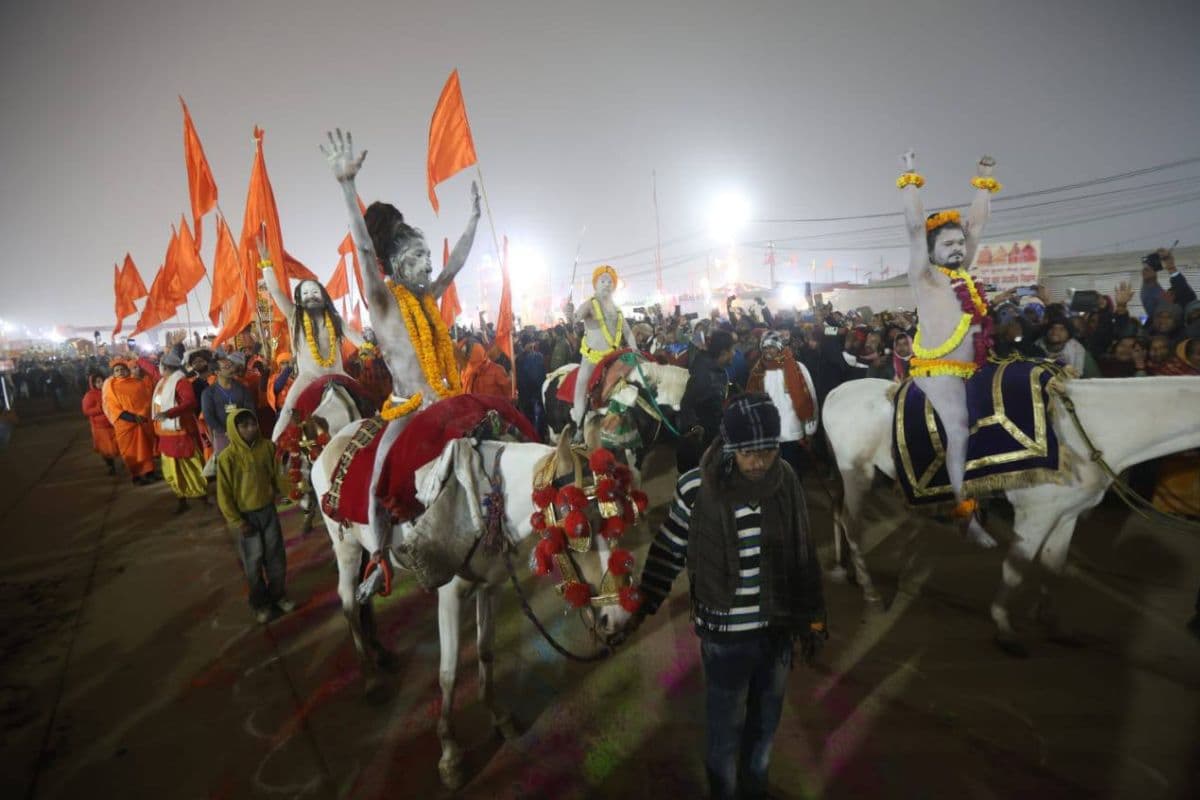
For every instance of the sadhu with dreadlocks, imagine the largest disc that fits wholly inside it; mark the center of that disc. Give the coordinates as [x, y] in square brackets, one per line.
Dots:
[317, 332]
[954, 331]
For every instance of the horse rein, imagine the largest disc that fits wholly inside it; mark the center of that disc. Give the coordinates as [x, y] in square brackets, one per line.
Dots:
[495, 503]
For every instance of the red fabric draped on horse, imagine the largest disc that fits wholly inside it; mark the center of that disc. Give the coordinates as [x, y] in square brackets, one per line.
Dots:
[423, 439]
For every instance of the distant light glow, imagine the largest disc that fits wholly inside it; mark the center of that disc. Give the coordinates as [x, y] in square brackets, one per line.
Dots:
[790, 296]
[728, 214]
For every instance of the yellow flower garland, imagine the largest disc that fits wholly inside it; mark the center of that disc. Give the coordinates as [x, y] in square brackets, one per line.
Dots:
[590, 353]
[991, 184]
[943, 218]
[391, 411]
[930, 361]
[434, 349]
[910, 178]
[313, 346]
[953, 341]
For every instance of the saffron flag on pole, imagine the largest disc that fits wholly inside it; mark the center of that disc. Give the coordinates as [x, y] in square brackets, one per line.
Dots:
[188, 267]
[504, 317]
[159, 305]
[122, 305]
[356, 318]
[261, 210]
[235, 287]
[450, 306]
[451, 148]
[339, 284]
[202, 189]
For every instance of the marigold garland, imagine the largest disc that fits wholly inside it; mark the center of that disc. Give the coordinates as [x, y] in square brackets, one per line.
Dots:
[991, 184]
[434, 349]
[910, 178]
[314, 347]
[947, 217]
[929, 361]
[590, 353]
[392, 410]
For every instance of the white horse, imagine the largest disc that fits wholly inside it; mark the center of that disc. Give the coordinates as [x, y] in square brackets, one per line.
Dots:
[481, 572]
[858, 422]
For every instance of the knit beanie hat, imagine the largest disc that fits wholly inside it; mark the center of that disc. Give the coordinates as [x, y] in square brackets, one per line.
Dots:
[751, 422]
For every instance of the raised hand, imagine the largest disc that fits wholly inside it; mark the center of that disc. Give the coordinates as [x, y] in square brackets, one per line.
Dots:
[909, 160]
[340, 155]
[475, 208]
[985, 167]
[1123, 294]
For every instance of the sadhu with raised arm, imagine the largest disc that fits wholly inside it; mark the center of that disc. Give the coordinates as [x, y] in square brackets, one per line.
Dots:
[398, 278]
[954, 332]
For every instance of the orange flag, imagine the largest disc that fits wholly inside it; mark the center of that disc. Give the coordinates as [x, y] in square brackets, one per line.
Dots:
[297, 270]
[201, 187]
[188, 267]
[235, 287]
[170, 287]
[159, 307]
[339, 285]
[122, 305]
[451, 148]
[131, 281]
[356, 318]
[450, 307]
[260, 209]
[504, 317]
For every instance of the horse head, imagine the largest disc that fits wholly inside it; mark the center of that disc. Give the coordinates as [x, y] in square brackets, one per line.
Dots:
[587, 503]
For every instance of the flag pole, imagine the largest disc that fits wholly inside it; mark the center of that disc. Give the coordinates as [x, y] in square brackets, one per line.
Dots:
[488, 207]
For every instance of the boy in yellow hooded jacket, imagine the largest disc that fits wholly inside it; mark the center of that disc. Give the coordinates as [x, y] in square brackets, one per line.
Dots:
[248, 481]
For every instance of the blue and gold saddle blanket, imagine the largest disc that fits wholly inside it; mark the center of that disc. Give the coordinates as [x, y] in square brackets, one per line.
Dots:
[1011, 442]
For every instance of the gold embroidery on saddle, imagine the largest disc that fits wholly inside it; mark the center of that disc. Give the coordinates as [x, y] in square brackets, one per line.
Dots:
[1011, 444]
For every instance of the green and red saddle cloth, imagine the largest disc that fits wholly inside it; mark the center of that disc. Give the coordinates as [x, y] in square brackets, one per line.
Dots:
[1011, 444]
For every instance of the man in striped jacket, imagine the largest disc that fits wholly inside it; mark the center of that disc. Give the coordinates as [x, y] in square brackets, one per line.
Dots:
[740, 524]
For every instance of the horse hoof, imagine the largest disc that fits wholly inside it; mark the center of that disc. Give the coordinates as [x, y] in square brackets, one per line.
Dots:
[838, 575]
[1011, 646]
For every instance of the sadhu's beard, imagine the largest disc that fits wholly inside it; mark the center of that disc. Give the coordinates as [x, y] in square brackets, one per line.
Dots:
[316, 319]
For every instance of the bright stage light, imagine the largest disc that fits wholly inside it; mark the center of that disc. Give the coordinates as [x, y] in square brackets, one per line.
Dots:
[790, 296]
[727, 215]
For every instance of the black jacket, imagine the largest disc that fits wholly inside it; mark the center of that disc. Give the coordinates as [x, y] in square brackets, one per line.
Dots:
[703, 400]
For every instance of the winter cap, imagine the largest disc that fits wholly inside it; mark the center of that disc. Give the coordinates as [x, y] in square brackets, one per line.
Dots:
[751, 422]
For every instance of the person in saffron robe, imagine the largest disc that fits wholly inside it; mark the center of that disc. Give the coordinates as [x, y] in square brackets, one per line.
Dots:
[104, 440]
[174, 405]
[484, 376]
[281, 380]
[129, 409]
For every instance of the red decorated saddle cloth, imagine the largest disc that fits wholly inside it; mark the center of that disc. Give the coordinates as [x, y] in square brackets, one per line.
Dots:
[425, 435]
[607, 372]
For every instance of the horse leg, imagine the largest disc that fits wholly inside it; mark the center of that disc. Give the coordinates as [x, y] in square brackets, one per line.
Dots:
[485, 623]
[855, 486]
[449, 621]
[1030, 534]
[1052, 558]
[350, 556]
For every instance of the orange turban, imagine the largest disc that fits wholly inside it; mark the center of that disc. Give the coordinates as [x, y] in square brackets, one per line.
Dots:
[601, 270]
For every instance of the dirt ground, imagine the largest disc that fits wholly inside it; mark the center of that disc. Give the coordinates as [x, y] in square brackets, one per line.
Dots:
[132, 668]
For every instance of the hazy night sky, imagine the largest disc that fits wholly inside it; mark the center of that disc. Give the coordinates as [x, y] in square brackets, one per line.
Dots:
[801, 107]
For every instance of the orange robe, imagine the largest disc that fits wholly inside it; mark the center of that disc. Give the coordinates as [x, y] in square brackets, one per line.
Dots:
[104, 440]
[135, 440]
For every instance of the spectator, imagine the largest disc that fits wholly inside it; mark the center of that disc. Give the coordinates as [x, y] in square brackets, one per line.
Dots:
[484, 376]
[778, 375]
[531, 374]
[704, 399]
[248, 481]
[1060, 346]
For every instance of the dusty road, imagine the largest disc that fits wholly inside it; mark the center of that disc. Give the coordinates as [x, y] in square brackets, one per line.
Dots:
[131, 668]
